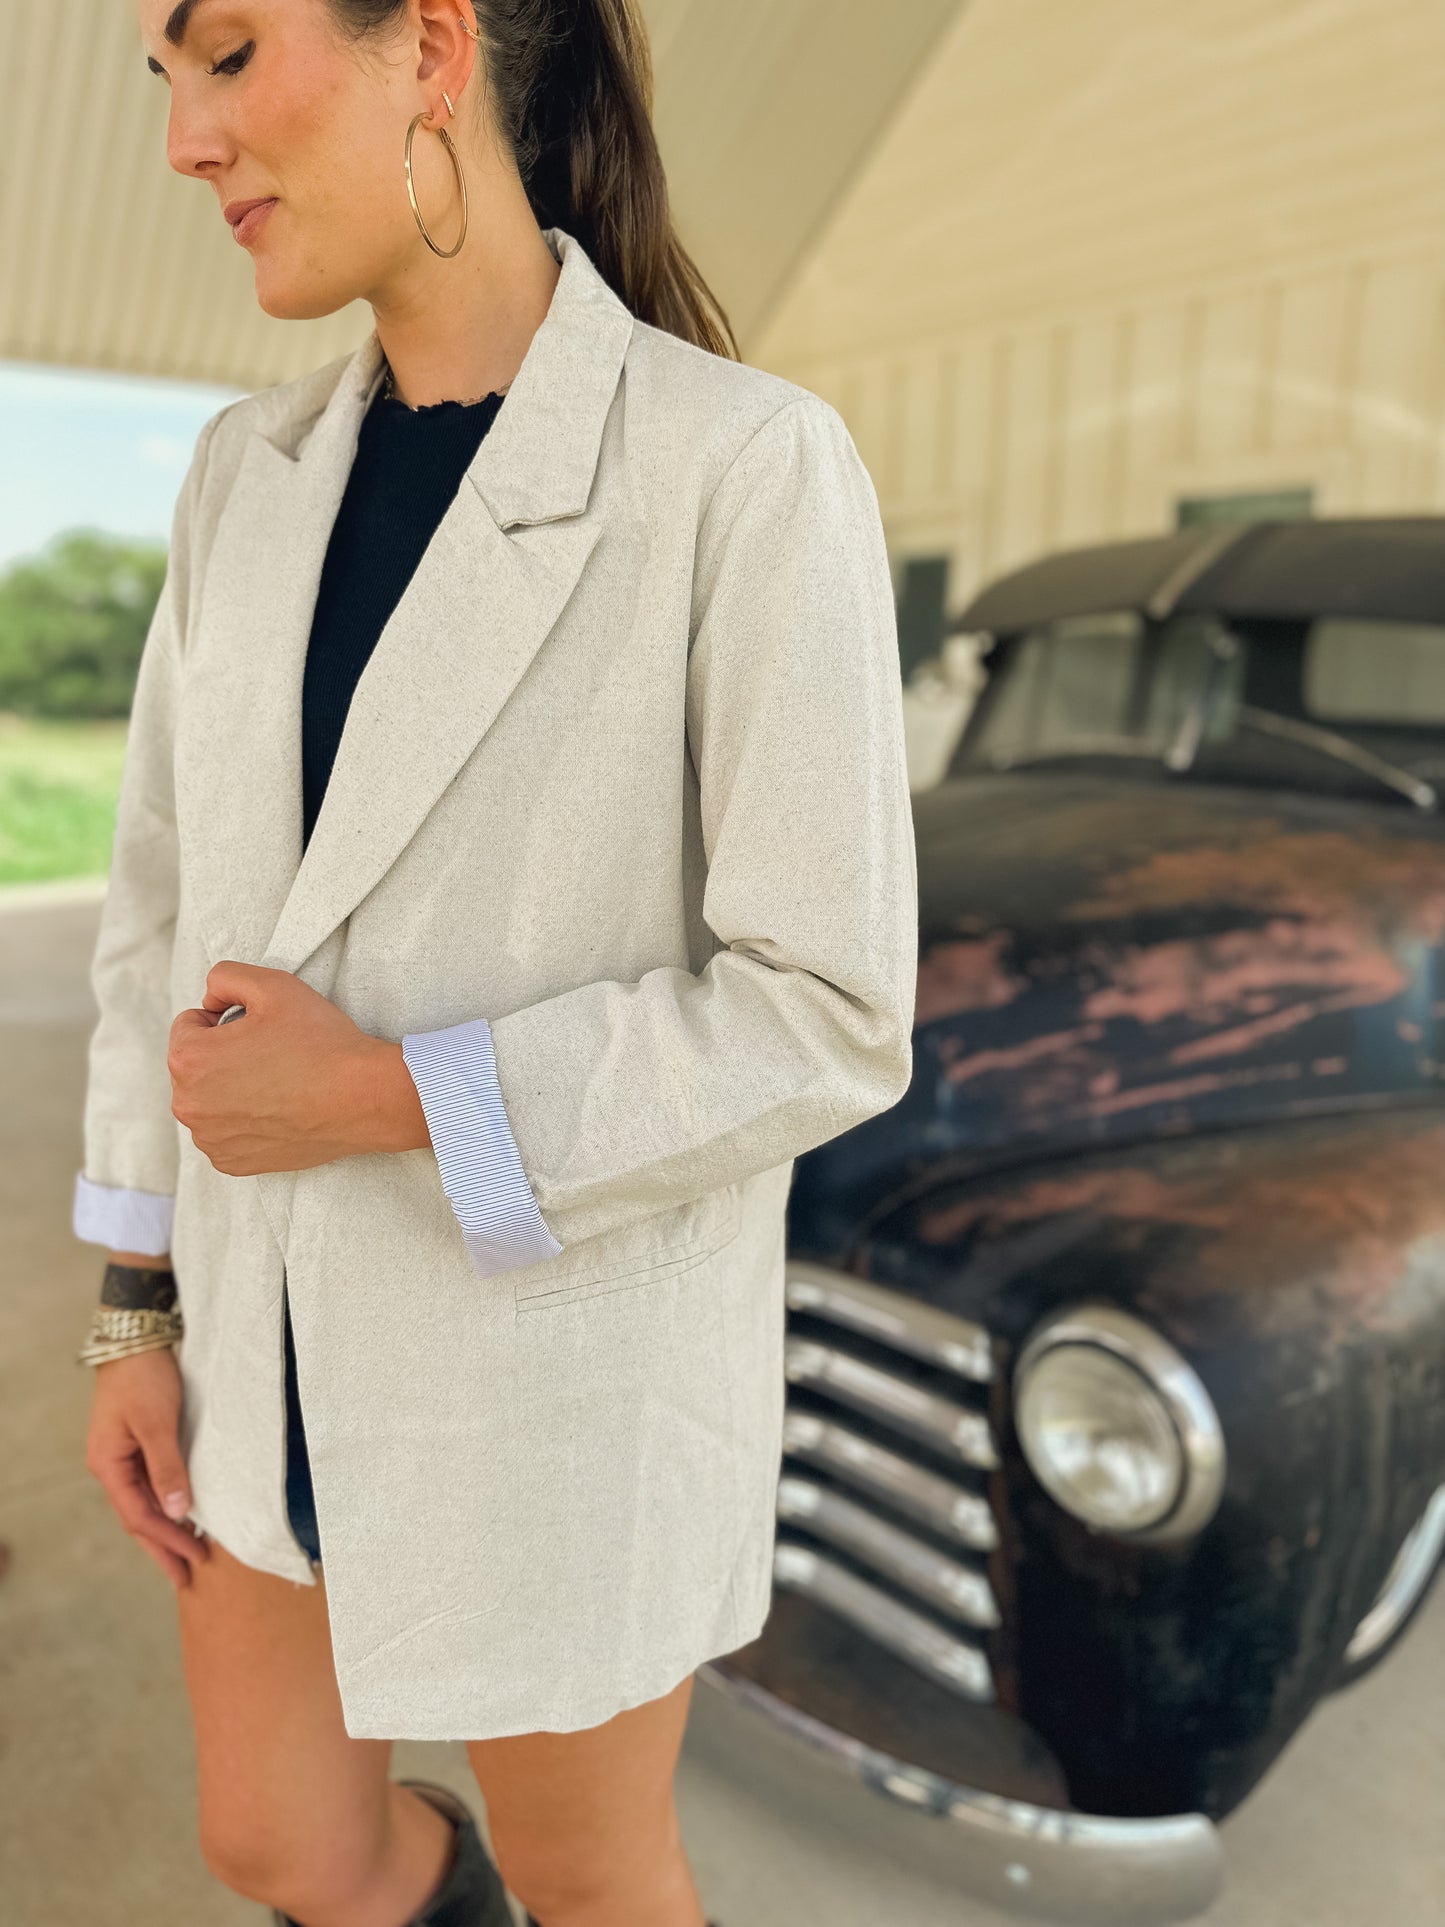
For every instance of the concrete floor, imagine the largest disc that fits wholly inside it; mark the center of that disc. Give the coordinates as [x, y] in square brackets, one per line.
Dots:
[95, 1744]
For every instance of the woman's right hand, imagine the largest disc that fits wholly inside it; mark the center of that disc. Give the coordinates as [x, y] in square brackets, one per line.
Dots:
[133, 1448]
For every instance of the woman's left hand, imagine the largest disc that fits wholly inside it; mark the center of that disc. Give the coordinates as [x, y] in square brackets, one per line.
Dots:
[291, 1084]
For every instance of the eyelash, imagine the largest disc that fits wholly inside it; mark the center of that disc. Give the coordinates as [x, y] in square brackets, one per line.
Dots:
[224, 66]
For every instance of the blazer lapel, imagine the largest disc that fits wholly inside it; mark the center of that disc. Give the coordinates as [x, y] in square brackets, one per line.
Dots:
[475, 612]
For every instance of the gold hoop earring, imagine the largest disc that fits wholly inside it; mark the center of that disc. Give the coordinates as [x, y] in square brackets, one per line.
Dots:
[446, 140]
[469, 30]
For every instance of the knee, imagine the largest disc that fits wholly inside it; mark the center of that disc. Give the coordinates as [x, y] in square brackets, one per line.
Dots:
[566, 1875]
[315, 1878]
[549, 1877]
[551, 1891]
[239, 1864]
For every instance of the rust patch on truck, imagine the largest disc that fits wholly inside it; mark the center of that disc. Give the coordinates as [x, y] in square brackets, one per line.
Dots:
[1322, 1233]
[1359, 875]
[1159, 964]
[967, 973]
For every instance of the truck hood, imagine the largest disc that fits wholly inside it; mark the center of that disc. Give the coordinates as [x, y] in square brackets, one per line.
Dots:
[1105, 959]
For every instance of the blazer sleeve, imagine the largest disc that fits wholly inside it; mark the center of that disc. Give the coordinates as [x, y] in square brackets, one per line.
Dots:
[125, 1189]
[627, 1098]
[122, 1219]
[454, 1071]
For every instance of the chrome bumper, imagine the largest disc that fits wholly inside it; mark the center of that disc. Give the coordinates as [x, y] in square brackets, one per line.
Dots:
[1407, 1578]
[1029, 1860]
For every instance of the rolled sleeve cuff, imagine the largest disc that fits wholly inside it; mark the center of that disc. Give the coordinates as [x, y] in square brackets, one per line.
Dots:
[455, 1074]
[122, 1219]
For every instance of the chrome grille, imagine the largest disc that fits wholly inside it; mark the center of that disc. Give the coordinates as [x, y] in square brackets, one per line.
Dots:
[886, 1403]
[937, 1337]
[881, 1394]
[952, 1662]
[933, 1500]
[936, 1578]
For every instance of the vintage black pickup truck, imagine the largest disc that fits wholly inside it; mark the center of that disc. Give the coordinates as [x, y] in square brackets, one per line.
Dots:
[1115, 1429]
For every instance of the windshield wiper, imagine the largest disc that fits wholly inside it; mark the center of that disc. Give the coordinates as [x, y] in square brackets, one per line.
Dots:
[1342, 749]
[1182, 752]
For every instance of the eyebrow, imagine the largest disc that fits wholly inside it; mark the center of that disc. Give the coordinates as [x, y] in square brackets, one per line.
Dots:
[175, 29]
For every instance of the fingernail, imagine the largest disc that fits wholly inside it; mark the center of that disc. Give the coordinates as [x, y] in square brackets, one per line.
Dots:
[175, 1503]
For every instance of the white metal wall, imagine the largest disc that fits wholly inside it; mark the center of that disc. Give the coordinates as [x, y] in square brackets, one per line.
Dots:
[1113, 255]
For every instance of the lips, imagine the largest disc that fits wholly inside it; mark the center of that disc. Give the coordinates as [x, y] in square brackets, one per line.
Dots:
[236, 209]
[251, 218]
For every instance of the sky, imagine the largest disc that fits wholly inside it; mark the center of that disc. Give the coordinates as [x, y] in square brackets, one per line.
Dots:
[89, 450]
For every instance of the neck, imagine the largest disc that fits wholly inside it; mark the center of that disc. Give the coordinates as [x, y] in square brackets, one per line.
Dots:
[388, 392]
[459, 329]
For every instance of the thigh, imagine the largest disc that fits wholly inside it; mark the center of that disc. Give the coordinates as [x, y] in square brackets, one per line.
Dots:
[567, 1809]
[276, 1769]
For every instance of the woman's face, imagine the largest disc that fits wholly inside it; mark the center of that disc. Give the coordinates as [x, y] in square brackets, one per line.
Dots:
[268, 100]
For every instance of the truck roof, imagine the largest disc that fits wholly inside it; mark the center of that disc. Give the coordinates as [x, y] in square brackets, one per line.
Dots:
[1388, 567]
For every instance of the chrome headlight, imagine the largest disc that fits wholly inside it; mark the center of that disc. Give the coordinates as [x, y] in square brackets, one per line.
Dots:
[1117, 1427]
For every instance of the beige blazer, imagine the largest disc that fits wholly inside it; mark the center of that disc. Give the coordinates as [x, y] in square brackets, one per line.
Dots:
[625, 775]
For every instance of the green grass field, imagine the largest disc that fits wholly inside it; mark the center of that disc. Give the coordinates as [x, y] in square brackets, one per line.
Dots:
[58, 787]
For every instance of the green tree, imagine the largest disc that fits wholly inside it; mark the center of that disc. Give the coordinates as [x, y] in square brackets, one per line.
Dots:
[73, 621]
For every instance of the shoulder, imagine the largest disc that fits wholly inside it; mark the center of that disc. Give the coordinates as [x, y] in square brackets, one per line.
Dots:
[283, 412]
[721, 415]
[784, 505]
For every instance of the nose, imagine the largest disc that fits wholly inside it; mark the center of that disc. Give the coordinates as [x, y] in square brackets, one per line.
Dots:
[195, 144]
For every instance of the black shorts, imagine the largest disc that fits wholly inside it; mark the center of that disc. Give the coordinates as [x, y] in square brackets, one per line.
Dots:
[300, 1500]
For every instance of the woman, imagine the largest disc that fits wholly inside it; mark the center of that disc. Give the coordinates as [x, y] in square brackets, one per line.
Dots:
[513, 874]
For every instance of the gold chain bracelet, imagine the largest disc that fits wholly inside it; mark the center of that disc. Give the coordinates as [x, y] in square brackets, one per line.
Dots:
[116, 1332]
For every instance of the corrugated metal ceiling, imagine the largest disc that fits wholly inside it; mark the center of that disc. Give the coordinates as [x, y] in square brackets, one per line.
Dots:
[765, 109]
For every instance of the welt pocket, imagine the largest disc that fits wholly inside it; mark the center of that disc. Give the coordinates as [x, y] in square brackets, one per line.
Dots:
[644, 1254]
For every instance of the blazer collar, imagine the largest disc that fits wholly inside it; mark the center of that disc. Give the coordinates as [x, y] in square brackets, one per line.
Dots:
[537, 460]
[477, 608]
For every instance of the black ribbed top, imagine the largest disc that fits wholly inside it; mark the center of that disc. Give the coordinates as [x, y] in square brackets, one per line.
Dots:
[408, 466]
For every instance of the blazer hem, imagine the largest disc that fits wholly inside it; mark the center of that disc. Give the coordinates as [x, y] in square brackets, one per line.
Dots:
[570, 1717]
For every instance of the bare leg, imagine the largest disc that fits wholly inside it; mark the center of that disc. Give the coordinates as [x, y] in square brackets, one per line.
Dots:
[293, 1811]
[584, 1826]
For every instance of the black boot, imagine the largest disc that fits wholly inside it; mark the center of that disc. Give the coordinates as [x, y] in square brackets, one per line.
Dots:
[473, 1894]
[532, 1921]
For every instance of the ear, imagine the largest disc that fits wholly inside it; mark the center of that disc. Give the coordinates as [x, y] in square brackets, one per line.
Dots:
[447, 52]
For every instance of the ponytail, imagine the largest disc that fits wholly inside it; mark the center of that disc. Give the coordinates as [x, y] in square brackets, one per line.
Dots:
[570, 90]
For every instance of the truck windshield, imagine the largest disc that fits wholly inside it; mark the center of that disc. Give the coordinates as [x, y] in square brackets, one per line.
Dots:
[1355, 706]
[1073, 687]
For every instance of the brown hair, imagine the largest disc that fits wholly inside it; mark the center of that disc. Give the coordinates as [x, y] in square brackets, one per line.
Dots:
[570, 83]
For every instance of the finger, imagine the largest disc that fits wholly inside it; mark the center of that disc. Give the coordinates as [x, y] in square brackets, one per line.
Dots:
[166, 1469]
[135, 1503]
[170, 1543]
[216, 1001]
[176, 1570]
[155, 1534]
[229, 982]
